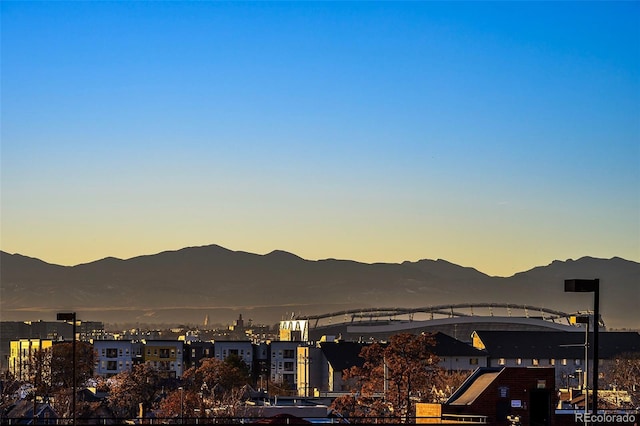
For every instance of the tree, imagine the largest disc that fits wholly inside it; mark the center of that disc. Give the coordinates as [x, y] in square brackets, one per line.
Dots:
[129, 389]
[279, 388]
[214, 384]
[392, 376]
[218, 377]
[446, 383]
[624, 375]
[60, 370]
[62, 364]
[182, 403]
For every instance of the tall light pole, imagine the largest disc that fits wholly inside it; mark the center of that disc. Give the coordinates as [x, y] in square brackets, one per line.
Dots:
[71, 316]
[590, 286]
[584, 319]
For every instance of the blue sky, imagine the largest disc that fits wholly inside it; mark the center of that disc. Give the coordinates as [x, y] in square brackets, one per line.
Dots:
[498, 135]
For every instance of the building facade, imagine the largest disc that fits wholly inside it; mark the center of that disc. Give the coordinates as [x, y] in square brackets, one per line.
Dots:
[166, 356]
[115, 356]
[27, 358]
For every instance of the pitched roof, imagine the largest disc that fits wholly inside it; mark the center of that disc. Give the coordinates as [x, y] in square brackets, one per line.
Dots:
[474, 386]
[342, 355]
[448, 346]
[555, 344]
[23, 410]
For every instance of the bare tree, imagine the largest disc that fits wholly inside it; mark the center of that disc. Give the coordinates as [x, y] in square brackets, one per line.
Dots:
[129, 389]
[624, 374]
[392, 376]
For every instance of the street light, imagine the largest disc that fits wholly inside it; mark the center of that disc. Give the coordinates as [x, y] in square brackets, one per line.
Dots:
[584, 319]
[590, 286]
[71, 316]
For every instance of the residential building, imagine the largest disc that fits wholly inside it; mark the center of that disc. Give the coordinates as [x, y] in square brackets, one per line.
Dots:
[26, 357]
[195, 351]
[116, 356]
[283, 362]
[167, 356]
[47, 330]
[243, 349]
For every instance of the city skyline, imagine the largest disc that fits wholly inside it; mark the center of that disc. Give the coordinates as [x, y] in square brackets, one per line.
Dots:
[500, 136]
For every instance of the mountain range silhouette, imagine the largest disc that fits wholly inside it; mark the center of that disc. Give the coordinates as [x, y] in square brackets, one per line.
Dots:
[182, 286]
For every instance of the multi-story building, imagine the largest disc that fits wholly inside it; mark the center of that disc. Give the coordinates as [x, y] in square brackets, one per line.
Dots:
[167, 356]
[195, 351]
[48, 330]
[243, 349]
[564, 351]
[284, 361]
[116, 356]
[320, 367]
[26, 358]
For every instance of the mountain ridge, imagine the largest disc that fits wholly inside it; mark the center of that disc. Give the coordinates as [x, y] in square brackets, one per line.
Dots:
[181, 285]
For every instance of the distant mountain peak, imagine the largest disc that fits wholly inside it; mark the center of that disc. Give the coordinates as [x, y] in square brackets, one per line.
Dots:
[283, 254]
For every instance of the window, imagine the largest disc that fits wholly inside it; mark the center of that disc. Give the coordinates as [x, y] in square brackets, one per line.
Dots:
[288, 366]
[519, 361]
[112, 365]
[473, 361]
[564, 361]
[289, 353]
[535, 362]
[502, 361]
[552, 361]
[112, 353]
[576, 361]
[164, 353]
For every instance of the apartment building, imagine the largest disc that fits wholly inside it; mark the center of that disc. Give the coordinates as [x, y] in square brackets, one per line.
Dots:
[283, 362]
[25, 357]
[167, 356]
[243, 349]
[116, 356]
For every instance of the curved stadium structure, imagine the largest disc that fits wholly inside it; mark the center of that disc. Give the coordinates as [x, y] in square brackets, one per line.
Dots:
[456, 320]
